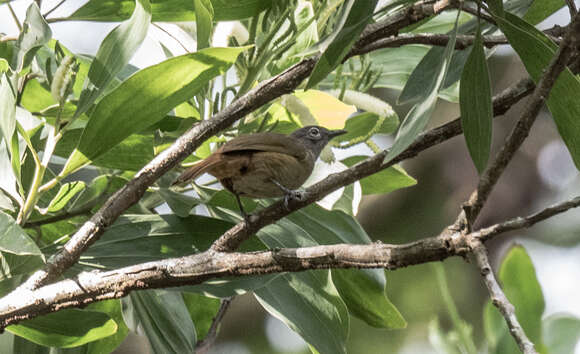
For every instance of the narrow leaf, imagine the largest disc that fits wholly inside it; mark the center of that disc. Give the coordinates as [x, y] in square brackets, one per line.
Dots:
[168, 10]
[203, 22]
[66, 328]
[536, 50]
[165, 321]
[114, 53]
[476, 106]
[419, 115]
[35, 33]
[541, 9]
[145, 98]
[66, 192]
[355, 18]
[14, 240]
[382, 182]
[310, 305]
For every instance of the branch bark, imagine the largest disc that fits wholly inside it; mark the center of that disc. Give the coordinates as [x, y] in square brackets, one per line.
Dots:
[89, 287]
[268, 90]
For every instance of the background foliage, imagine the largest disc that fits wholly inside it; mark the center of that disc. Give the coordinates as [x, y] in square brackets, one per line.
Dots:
[77, 127]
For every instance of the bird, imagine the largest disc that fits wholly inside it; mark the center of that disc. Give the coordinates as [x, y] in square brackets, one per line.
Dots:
[264, 165]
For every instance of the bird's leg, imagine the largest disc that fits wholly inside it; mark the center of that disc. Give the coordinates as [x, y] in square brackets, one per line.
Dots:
[242, 211]
[288, 193]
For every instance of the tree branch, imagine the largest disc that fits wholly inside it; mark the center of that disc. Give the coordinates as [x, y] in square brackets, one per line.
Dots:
[265, 92]
[499, 299]
[203, 346]
[89, 287]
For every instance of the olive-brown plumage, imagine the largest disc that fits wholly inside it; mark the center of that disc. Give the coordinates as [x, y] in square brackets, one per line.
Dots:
[264, 165]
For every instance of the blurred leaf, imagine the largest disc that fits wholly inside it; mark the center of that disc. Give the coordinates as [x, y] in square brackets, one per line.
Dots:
[476, 106]
[520, 285]
[366, 298]
[310, 305]
[536, 50]
[35, 33]
[114, 54]
[202, 310]
[541, 9]
[419, 115]
[66, 192]
[440, 340]
[7, 109]
[561, 333]
[141, 238]
[204, 22]
[145, 98]
[325, 108]
[168, 10]
[229, 286]
[352, 22]
[14, 240]
[165, 320]
[22, 345]
[66, 328]
[8, 124]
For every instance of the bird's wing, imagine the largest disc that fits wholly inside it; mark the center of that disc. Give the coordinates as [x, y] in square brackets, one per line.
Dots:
[267, 142]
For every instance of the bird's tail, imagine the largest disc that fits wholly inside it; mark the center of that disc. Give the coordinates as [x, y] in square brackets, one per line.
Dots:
[195, 171]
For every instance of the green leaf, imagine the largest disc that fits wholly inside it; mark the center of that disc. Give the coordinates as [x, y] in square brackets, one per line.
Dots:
[382, 182]
[442, 342]
[35, 33]
[476, 106]
[364, 292]
[131, 154]
[520, 285]
[419, 115]
[536, 50]
[168, 10]
[8, 124]
[66, 192]
[353, 20]
[202, 310]
[66, 328]
[108, 344]
[145, 98]
[14, 240]
[541, 9]
[310, 305]
[179, 203]
[203, 22]
[561, 333]
[165, 321]
[141, 238]
[114, 54]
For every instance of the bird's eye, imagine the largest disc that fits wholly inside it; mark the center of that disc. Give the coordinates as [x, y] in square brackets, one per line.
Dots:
[314, 132]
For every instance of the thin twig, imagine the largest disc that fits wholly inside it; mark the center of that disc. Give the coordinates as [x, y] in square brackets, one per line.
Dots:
[572, 8]
[54, 8]
[499, 299]
[14, 17]
[203, 346]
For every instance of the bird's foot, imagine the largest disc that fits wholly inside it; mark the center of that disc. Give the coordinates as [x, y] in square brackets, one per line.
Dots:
[289, 194]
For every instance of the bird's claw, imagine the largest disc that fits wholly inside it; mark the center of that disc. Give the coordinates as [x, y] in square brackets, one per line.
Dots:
[292, 195]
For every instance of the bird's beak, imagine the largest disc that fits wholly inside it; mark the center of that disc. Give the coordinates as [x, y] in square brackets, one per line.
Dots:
[335, 133]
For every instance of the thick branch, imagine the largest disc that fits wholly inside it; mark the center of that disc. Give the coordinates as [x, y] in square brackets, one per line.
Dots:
[89, 287]
[268, 90]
